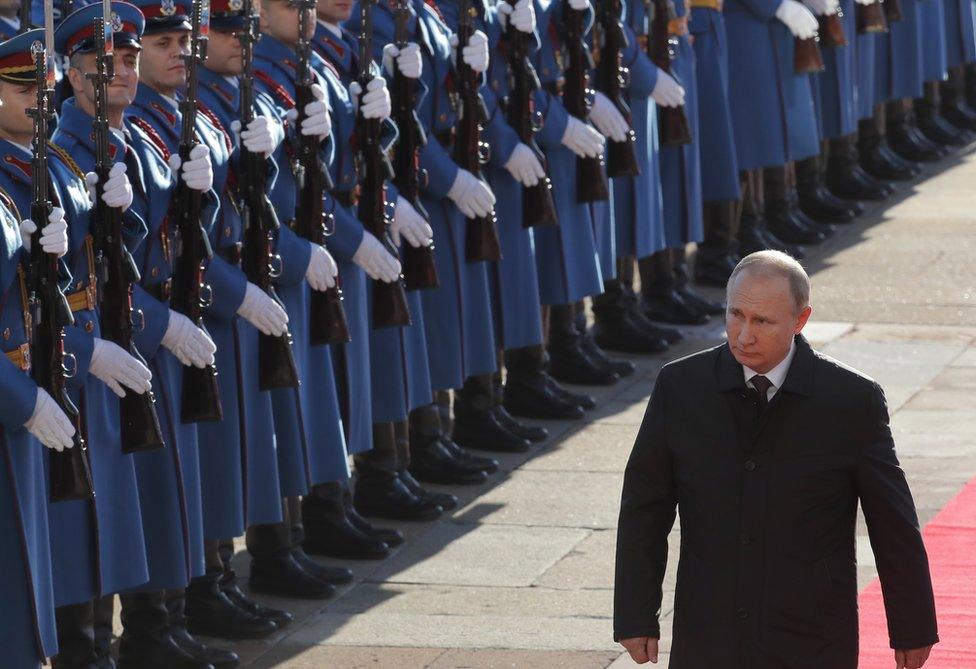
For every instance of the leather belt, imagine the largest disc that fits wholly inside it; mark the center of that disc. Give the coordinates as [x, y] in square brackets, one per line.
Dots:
[20, 356]
[708, 4]
[161, 291]
[678, 26]
[83, 299]
[347, 198]
[232, 254]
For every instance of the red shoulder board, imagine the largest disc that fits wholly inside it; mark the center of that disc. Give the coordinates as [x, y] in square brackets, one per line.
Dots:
[170, 116]
[217, 124]
[150, 131]
[437, 10]
[24, 165]
[283, 96]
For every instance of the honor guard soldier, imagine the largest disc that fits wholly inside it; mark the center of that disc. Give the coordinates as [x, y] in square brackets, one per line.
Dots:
[30, 419]
[481, 421]
[169, 476]
[960, 53]
[97, 543]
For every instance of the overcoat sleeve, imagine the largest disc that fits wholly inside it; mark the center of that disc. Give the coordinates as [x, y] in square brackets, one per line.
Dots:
[889, 512]
[647, 512]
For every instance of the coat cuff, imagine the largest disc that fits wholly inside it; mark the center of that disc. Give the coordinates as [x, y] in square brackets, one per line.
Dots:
[19, 395]
[295, 254]
[81, 345]
[228, 284]
[348, 235]
[155, 318]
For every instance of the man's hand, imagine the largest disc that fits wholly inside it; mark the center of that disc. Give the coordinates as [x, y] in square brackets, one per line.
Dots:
[642, 649]
[912, 659]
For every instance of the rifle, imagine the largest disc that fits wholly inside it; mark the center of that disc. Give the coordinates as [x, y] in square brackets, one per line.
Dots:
[419, 270]
[481, 241]
[327, 317]
[611, 78]
[807, 58]
[870, 18]
[389, 299]
[24, 16]
[673, 127]
[591, 180]
[831, 30]
[893, 12]
[538, 206]
[49, 313]
[114, 266]
[201, 396]
[276, 361]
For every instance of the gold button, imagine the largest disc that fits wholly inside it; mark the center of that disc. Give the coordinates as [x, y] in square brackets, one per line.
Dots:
[345, 179]
[496, 84]
[89, 326]
[443, 118]
[227, 231]
[154, 271]
[545, 70]
[6, 333]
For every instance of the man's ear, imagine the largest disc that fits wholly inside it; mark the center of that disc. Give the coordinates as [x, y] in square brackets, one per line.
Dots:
[802, 319]
[76, 79]
[263, 20]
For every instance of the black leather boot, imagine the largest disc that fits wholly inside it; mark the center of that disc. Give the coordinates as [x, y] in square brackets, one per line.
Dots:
[633, 306]
[593, 351]
[780, 216]
[387, 535]
[931, 122]
[955, 108]
[815, 200]
[532, 433]
[660, 299]
[274, 570]
[476, 425]
[905, 138]
[176, 607]
[718, 254]
[443, 500]
[229, 587]
[329, 531]
[527, 391]
[567, 360]
[210, 612]
[381, 494]
[754, 234]
[580, 399]
[877, 158]
[846, 177]
[682, 277]
[104, 619]
[76, 637]
[146, 642]
[614, 328]
[325, 573]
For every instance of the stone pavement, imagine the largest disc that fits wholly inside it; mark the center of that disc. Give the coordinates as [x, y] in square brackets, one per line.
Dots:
[521, 575]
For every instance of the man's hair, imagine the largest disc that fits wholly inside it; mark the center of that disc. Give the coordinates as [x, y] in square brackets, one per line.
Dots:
[776, 264]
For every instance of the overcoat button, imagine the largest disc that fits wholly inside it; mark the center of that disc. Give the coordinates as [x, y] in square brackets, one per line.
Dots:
[750, 466]
[6, 333]
[742, 613]
[89, 326]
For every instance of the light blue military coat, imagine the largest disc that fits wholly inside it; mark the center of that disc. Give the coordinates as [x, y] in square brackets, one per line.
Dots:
[898, 71]
[457, 314]
[772, 107]
[398, 363]
[100, 553]
[933, 38]
[835, 91]
[960, 32]
[311, 442]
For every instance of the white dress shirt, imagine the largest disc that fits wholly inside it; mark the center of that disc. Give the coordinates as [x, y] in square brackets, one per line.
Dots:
[776, 376]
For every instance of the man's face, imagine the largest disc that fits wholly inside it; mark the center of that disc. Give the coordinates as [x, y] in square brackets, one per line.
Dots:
[279, 18]
[122, 90]
[761, 320]
[9, 6]
[331, 11]
[162, 67]
[224, 53]
[15, 99]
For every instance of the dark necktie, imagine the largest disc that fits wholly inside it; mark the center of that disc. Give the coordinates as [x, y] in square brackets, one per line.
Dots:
[762, 386]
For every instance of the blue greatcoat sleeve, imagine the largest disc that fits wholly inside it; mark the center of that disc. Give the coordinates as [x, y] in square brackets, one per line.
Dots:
[348, 231]
[555, 118]
[155, 320]
[643, 73]
[764, 10]
[498, 133]
[295, 253]
[441, 169]
[81, 345]
[19, 394]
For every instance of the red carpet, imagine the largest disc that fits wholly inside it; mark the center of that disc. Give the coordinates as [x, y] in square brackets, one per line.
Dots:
[950, 539]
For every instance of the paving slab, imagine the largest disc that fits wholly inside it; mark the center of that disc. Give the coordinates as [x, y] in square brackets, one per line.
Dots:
[492, 658]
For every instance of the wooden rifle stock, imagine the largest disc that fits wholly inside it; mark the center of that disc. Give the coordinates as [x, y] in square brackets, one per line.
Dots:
[806, 56]
[870, 18]
[276, 360]
[69, 470]
[591, 179]
[831, 31]
[893, 12]
[673, 127]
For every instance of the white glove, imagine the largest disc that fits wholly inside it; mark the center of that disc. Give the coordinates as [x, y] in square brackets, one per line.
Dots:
[316, 121]
[471, 195]
[522, 15]
[376, 103]
[49, 424]
[261, 311]
[668, 92]
[524, 165]
[582, 139]
[800, 20]
[322, 269]
[410, 225]
[375, 260]
[865, 2]
[54, 235]
[197, 171]
[579, 4]
[118, 190]
[409, 60]
[190, 344]
[262, 135]
[116, 368]
[475, 52]
[822, 7]
[608, 119]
